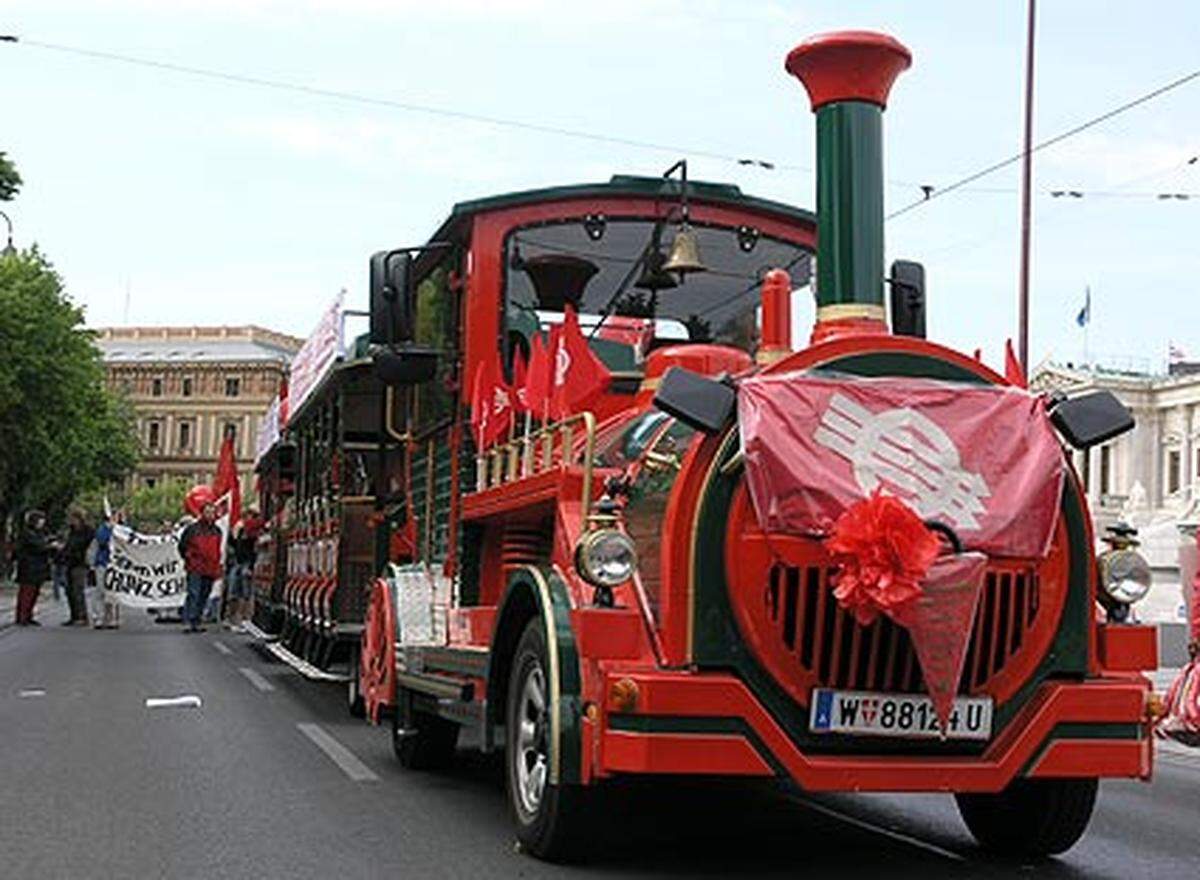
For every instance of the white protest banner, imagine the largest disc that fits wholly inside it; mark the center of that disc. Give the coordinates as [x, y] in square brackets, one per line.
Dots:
[317, 356]
[268, 430]
[146, 571]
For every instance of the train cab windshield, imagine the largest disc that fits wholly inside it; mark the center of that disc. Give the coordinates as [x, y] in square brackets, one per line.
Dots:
[616, 275]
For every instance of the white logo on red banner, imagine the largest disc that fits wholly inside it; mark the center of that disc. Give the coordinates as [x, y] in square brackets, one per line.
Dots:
[907, 455]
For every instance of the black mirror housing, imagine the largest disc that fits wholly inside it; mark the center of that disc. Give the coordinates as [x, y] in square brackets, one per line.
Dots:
[1091, 418]
[391, 298]
[908, 298]
[406, 365]
[702, 403]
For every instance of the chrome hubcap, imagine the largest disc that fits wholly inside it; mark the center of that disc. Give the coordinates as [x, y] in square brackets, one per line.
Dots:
[531, 751]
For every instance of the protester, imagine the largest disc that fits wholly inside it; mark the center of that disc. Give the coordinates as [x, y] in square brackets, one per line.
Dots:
[243, 541]
[79, 536]
[33, 553]
[108, 616]
[200, 549]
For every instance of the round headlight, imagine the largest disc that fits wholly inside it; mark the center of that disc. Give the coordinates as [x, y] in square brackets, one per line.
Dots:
[1125, 576]
[606, 557]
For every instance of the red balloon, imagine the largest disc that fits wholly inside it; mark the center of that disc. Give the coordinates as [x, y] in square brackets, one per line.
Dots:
[197, 497]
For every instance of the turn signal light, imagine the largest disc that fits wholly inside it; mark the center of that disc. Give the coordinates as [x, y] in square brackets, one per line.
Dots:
[623, 696]
[1156, 706]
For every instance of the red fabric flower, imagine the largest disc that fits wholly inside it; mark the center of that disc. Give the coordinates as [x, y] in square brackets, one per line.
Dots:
[884, 552]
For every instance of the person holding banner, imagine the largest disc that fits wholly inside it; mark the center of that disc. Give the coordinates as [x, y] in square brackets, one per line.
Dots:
[108, 616]
[200, 549]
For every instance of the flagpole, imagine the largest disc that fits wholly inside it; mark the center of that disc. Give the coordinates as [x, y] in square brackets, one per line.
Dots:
[1087, 323]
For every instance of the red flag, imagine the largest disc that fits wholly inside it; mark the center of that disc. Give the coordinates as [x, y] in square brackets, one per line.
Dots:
[1012, 367]
[491, 402]
[520, 396]
[537, 377]
[283, 402]
[579, 376]
[982, 459]
[226, 481]
[939, 623]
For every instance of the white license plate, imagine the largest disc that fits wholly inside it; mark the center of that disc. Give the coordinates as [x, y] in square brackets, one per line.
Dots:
[866, 713]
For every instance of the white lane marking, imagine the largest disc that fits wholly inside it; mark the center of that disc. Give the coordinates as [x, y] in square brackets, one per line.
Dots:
[338, 753]
[173, 702]
[32, 692]
[255, 679]
[223, 648]
[878, 829]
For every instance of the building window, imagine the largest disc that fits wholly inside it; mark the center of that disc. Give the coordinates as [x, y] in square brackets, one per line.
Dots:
[185, 435]
[1105, 470]
[151, 482]
[230, 430]
[155, 437]
[1174, 458]
[156, 386]
[187, 386]
[232, 386]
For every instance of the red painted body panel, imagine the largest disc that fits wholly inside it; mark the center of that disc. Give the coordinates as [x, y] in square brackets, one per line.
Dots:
[684, 753]
[1127, 648]
[1102, 701]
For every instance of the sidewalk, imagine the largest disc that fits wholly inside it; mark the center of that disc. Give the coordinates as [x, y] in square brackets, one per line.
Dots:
[46, 610]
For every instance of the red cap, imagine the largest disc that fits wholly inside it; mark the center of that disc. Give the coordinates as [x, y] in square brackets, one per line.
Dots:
[848, 66]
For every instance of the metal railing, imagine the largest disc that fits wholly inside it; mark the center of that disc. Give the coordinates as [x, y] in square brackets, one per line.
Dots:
[536, 452]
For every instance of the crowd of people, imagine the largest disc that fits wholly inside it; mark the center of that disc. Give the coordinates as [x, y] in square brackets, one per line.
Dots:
[75, 561]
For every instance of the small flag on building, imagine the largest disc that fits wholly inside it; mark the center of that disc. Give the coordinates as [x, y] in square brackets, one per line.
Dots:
[1085, 314]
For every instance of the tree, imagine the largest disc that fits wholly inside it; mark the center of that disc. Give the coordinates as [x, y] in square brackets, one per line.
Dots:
[146, 507]
[10, 180]
[61, 431]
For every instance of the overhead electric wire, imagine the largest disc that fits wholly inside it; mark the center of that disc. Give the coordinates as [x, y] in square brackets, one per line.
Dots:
[408, 106]
[1058, 138]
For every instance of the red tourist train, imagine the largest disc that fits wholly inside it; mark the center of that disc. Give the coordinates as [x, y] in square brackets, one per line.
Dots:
[664, 564]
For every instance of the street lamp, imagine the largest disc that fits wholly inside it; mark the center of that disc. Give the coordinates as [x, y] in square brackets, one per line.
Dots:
[9, 250]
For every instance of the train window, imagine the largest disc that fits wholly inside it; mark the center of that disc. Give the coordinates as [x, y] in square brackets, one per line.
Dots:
[434, 326]
[553, 264]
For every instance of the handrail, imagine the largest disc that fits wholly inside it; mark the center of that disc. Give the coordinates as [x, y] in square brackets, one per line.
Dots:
[518, 458]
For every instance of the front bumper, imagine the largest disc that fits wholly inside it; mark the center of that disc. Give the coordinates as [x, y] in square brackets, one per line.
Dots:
[712, 724]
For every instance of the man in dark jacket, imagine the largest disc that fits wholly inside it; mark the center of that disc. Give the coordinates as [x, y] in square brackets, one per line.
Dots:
[75, 556]
[33, 565]
[200, 548]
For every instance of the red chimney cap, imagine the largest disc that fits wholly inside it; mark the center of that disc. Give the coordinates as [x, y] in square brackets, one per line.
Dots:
[848, 66]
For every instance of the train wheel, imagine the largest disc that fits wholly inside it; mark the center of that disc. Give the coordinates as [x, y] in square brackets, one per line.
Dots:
[421, 741]
[355, 704]
[548, 816]
[1032, 817]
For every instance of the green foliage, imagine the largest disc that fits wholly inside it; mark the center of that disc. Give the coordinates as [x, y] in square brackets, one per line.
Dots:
[10, 180]
[61, 431]
[146, 508]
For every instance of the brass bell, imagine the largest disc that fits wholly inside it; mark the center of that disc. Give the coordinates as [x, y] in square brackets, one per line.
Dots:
[654, 276]
[685, 254]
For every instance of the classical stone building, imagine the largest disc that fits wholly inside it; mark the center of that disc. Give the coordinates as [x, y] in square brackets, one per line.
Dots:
[1149, 477]
[188, 385]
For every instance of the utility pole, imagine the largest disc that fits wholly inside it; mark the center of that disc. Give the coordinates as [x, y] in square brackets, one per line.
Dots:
[1026, 193]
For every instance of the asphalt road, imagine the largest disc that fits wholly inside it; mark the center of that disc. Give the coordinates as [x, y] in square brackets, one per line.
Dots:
[269, 777]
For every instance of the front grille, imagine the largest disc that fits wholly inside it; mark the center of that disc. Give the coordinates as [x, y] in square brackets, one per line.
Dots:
[828, 643]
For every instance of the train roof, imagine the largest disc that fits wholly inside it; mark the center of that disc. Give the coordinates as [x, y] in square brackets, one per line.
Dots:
[618, 186]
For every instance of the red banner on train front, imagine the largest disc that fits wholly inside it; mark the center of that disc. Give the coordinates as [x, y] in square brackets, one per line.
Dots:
[983, 460]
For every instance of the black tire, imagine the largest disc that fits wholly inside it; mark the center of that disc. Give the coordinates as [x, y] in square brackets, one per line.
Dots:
[1032, 817]
[548, 825]
[421, 741]
[355, 704]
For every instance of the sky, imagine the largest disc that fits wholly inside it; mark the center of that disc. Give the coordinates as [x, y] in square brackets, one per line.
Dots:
[165, 198]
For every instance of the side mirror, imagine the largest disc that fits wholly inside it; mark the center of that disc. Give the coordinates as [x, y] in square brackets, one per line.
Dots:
[702, 403]
[908, 298]
[1091, 418]
[391, 300]
[406, 365]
